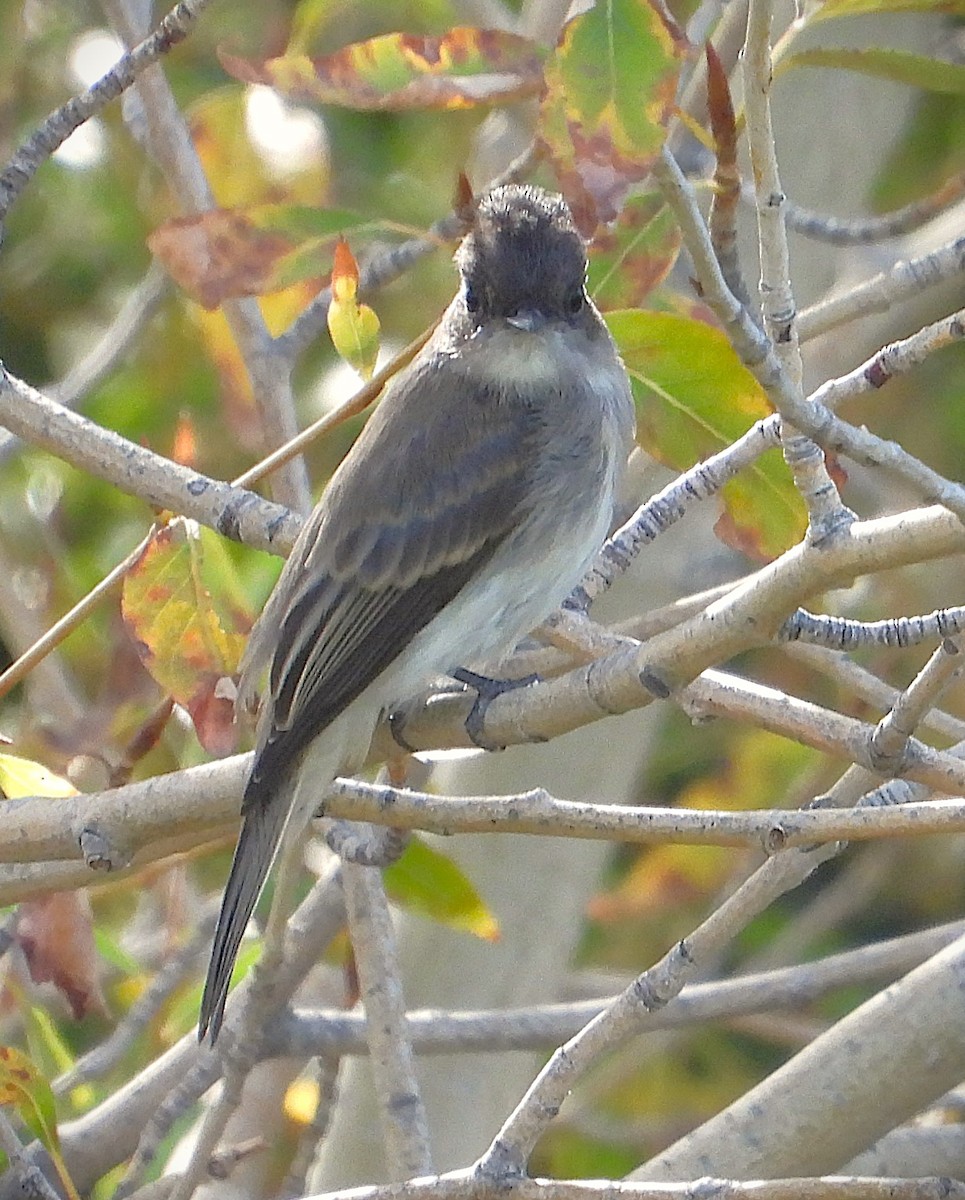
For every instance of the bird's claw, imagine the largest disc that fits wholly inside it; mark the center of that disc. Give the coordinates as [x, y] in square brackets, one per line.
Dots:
[487, 690]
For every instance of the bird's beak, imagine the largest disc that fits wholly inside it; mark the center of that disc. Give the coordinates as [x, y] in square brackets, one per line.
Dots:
[526, 319]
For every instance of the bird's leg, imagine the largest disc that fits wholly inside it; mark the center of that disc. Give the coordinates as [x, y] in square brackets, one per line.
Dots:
[487, 690]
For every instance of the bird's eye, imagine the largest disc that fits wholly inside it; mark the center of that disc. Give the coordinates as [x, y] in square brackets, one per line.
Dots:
[574, 302]
[472, 300]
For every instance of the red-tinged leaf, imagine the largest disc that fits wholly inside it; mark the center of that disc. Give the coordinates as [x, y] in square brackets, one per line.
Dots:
[218, 254]
[723, 124]
[179, 606]
[899, 66]
[463, 200]
[345, 273]
[212, 709]
[635, 254]
[694, 398]
[427, 882]
[353, 327]
[57, 938]
[23, 1088]
[610, 90]
[185, 447]
[461, 69]
[224, 253]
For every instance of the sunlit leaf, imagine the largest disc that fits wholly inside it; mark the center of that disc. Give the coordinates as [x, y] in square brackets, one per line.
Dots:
[223, 253]
[610, 89]
[353, 327]
[22, 777]
[694, 397]
[427, 882]
[241, 176]
[186, 629]
[301, 1101]
[236, 166]
[633, 255]
[460, 69]
[900, 66]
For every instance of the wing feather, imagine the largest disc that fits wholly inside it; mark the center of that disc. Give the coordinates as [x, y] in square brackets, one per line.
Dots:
[392, 542]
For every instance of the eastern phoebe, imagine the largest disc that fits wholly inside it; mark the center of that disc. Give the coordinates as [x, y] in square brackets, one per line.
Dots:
[472, 503]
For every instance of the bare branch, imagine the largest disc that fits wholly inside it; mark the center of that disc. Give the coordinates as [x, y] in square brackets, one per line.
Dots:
[233, 512]
[861, 231]
[405, 1128]
[61, 123]
[883, 291]
[884, 1049]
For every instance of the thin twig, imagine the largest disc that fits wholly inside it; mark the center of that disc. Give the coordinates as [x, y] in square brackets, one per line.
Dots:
[827, 516]
[316, 921]
[842, 633]
[114, 1124]
[883, 291]
[896, 358]
[332, 1031]
[862, 231]
[815, 420]
[103, 1058]
[169, 142]
[890, 738]
[62, 122]
[234, 512]
[405, 1128]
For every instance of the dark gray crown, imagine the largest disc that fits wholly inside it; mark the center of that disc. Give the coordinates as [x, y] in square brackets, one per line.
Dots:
[523, 252]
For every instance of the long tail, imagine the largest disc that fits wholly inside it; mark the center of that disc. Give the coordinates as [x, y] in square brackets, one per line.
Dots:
[261, 833]
[267, 812]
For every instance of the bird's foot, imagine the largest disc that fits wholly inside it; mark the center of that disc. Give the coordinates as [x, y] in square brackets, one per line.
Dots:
[487, 690]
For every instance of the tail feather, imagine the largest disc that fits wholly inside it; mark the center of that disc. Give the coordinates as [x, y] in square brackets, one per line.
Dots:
[266, 812]
[261, 834]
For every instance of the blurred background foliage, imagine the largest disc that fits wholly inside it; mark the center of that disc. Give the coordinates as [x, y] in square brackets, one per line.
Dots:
[76, 244]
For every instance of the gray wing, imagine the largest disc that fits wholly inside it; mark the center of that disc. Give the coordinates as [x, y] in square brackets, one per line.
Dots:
[393, 540]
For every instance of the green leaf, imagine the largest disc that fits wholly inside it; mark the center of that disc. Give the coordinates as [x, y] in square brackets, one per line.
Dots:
[853, 8]
[695, 397]
[425, 881]
[610, 90]
[932, 74]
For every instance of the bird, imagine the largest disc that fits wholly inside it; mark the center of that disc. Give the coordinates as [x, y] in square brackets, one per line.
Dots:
[471, 504]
